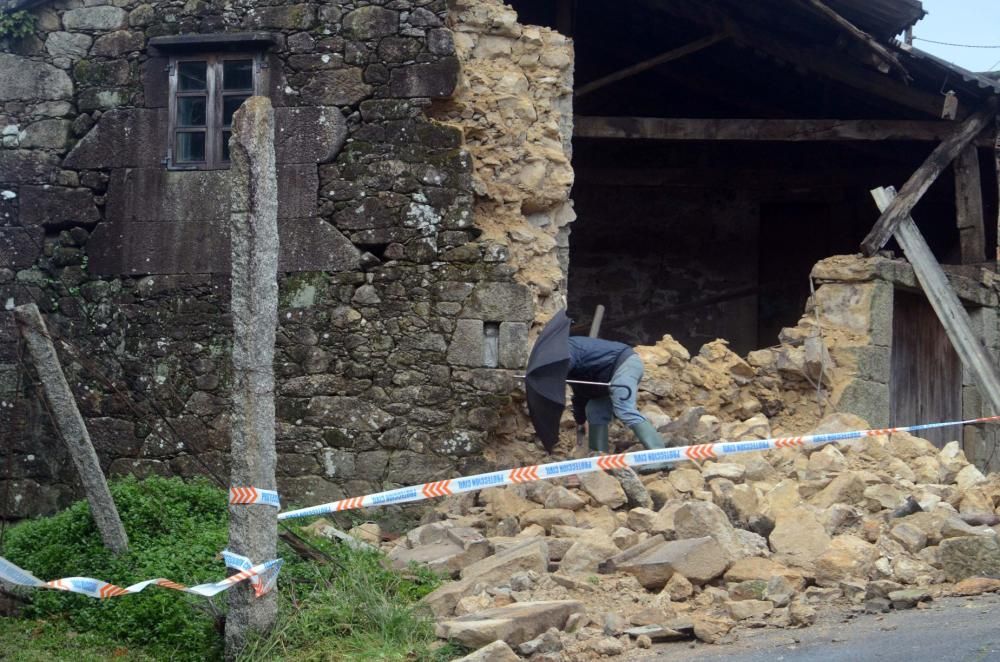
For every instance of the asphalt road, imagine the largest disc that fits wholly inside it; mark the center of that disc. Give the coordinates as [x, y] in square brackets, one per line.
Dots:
[952, 630]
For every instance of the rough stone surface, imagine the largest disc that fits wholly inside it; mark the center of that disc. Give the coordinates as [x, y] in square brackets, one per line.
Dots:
[699, 560]
[970, 556]
[24, 79]
[498, 651]
[513, 624]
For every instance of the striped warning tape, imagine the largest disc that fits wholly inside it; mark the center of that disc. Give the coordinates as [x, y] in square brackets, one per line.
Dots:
[252, 495]
[697, 452]
[262, 576]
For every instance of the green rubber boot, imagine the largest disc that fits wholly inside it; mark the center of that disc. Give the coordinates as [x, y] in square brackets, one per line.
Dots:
[648, 436]
[597, 436]
[651, 440]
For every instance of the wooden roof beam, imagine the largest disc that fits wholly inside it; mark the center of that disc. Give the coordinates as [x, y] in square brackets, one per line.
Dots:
[925, 175]
[880, 51]
[781, 130]
[639, 67]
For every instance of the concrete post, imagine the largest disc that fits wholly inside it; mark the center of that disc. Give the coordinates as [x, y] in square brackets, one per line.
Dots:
[71, 427]
[254, 246]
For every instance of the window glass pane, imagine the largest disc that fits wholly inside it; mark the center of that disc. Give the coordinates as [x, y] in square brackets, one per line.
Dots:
[190, 147]
[191, 76]
[190, 111]
[237, 75]
[226, 135]
[229, 106]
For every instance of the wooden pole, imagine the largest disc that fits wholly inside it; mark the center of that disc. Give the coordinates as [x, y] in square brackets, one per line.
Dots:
[595, 325]
[71, 427]
[943, 299]
[969, 206]
[880, 51]
[254, 247]
[925, 175]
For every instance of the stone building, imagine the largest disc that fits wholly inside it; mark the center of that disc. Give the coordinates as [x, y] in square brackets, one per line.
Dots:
[426, 156]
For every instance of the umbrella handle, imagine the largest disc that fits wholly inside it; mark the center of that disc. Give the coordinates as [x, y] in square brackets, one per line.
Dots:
[624, 386]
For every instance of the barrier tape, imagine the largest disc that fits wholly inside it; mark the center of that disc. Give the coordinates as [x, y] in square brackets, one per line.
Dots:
[252, 495]
[699, 452]
[262, 576]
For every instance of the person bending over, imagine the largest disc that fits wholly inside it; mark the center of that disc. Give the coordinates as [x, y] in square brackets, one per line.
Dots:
[597, 360]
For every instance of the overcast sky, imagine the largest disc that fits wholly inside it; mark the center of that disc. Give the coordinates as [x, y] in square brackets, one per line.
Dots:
[974, 22]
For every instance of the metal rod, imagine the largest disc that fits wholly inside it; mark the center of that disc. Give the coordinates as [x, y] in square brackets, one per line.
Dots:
[595, 326]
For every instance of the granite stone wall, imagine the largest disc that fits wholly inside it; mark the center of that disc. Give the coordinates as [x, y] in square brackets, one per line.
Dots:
[399, 329]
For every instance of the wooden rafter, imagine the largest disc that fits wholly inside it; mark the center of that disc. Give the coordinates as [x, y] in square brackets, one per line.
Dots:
[925, 175]
[662, 58]
[880, 51]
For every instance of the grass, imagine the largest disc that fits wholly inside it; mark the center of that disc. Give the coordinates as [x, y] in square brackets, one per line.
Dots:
[351, 609]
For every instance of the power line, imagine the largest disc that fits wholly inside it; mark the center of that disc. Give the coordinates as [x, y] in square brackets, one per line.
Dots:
[947, 43]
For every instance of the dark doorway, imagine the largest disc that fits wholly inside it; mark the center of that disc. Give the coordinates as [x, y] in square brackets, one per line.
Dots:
[926, 377]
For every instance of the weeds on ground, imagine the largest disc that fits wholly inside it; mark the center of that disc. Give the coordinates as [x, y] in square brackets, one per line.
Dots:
[351, 609]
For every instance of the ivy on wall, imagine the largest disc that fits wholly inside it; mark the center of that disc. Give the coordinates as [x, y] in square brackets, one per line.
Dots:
[16, 24]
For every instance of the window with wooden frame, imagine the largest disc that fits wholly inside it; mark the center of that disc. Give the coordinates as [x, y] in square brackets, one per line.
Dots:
[205, 91]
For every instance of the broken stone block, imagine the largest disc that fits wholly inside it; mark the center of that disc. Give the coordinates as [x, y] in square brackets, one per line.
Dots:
[547, 642]
[801, 614]
[603, 489]
[908, 598]
[884, 497]
[548, 517]
[624, 538]
[846, 558]
[970, 556]
[711, 629]
[909, 536]
[752, 589]
[741, 610]
[678, 587]
[848, 487]
[442, 558]
[655, 633]
[514, 624]
[976, 586]
[686, 480]
[700, 560]
[969, 477]
[729, 470]
[560, 497]
[696, 519]
[764, 569]
[498, 651]
[531, 555]
[587, 554]
[798, 538]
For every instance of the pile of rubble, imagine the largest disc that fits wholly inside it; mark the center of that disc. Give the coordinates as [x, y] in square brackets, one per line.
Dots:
[601, 565]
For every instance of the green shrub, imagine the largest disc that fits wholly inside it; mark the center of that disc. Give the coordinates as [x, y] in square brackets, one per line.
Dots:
[176, 531]
[353, 608]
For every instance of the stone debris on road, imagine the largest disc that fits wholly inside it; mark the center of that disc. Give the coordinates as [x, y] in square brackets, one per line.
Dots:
[561, 570]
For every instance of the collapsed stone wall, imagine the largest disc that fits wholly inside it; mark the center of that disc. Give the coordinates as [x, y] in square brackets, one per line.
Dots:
[387, 294]
[514, 106]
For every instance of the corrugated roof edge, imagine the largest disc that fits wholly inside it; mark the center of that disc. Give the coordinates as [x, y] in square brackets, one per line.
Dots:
[980, 80]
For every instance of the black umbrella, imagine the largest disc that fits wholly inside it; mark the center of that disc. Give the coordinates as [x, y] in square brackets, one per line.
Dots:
[545, 379]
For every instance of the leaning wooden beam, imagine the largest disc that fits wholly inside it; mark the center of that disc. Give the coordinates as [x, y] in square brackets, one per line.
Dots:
[969, 206]
[639, 67]
[926, 174]
[71, 427]
[945, 302]
[663, 128]
[880, 51]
